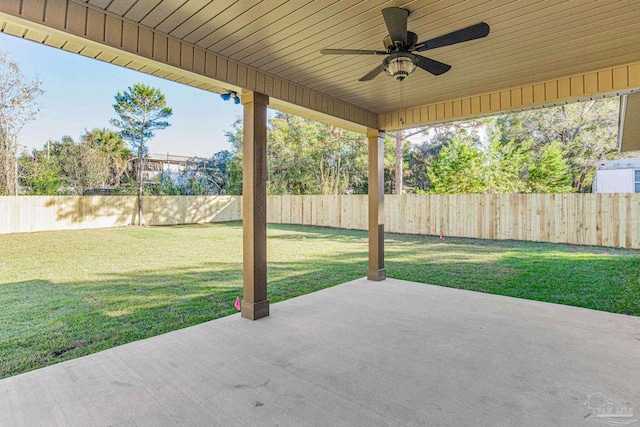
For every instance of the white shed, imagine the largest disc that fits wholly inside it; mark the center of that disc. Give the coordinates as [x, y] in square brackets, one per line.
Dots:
[617, 176]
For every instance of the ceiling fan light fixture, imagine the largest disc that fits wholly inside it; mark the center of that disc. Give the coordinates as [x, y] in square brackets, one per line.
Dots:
[399, 65]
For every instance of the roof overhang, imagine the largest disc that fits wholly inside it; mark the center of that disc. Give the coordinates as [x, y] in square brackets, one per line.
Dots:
[537, 54]
[629, 123]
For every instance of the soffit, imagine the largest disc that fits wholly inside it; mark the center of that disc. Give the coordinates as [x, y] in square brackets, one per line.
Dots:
[530, 41]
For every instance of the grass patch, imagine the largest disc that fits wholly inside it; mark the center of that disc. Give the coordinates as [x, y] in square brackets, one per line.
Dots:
[72, 293]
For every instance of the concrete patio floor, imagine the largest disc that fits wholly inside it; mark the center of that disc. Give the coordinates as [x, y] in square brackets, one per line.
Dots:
[362, 353]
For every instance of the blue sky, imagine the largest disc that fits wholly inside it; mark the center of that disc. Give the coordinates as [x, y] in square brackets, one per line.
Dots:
[79, 95]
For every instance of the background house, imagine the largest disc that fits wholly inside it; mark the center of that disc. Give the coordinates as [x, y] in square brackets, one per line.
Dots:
[617, 176]
[175, 165]
[186, 175]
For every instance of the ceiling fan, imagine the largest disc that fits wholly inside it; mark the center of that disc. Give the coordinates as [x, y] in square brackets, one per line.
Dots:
[400, 44]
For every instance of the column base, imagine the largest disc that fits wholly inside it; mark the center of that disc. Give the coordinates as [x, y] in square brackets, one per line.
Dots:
[377, 275]
[255, 310]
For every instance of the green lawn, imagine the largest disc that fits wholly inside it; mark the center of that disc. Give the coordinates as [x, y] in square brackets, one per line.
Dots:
[71, 293]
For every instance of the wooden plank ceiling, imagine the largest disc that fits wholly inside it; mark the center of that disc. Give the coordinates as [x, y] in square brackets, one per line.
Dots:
[530, 41]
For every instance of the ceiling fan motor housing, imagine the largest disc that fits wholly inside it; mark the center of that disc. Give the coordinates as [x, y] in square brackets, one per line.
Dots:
[390, 46]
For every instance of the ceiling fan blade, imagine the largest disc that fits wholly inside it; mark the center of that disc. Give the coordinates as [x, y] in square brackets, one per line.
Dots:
[396, 20]
[352, 52]
[473, 32]
[372, 74]
[434, 67]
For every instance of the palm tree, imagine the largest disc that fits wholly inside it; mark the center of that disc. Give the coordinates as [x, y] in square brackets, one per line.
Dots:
[112, 144]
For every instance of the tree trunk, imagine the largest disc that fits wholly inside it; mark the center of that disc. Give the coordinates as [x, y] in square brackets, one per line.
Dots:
[399, 161]
[15, 170]
[9, 167]
[5, 166]
[140, 169]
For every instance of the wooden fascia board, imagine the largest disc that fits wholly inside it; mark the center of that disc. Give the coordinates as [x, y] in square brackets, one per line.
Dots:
[607, 82]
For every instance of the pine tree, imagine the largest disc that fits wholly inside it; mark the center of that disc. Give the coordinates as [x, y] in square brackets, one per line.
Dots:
[550, 173]
[458, 169]
[142, 110]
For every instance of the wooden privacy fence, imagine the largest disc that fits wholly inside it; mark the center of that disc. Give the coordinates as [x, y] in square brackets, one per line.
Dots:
[21, 214]
[584, 219]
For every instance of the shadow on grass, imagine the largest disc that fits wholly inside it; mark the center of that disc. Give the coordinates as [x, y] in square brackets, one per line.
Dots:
[43, 322]
[311, 232]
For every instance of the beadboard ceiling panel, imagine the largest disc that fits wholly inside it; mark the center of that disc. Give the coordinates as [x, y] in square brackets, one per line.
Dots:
[530, 42]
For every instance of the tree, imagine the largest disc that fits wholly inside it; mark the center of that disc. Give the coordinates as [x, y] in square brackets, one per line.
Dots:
[304, 157]
[399, 163]
[111, 144]
[90, 167]
[400, 152]
[585, 131]
[505, 166]
[220, 173]
[234, 165]
[290, 155]
[550, 174]
[82, 165]
[62, 154]
[458, 169]
[166, 186]
[419, 158]
[64, 167]
[39, 173]
[207, 176]
[141, 111]
[422, 154]
[18, 106]
[505, 154]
